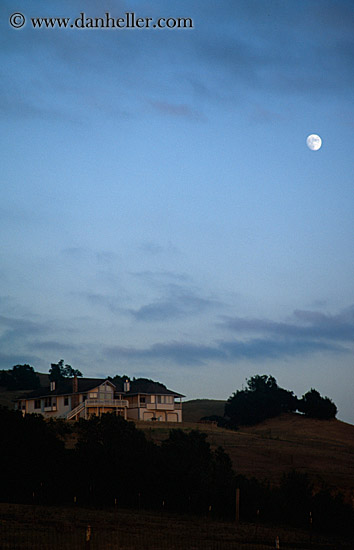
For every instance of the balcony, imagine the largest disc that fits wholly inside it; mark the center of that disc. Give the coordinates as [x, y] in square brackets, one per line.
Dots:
[52, 408]
[161, 406]
[109, 403]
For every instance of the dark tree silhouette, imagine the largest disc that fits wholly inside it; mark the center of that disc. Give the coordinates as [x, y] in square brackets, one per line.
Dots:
[315, 406]
[260, 400]
[59, 372]
[21, 377]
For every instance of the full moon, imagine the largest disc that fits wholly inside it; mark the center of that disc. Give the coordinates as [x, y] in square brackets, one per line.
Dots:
[314, 142]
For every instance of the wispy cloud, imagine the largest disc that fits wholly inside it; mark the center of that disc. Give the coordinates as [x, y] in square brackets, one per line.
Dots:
[305, 324]
[157, 249]
[189, 354]
[178, 302]
[176, 110]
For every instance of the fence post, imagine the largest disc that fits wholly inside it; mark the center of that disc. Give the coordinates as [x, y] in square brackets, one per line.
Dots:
[88, 537]
[237, 516]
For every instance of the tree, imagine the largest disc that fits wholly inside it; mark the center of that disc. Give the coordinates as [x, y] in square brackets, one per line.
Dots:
[59, 372]
[193, 476]
[315, 406]
[295, 496]
[260, 400]
[21, 377]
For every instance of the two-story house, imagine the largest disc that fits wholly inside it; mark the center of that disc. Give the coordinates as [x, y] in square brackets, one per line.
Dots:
[150, 400]
[76, 398]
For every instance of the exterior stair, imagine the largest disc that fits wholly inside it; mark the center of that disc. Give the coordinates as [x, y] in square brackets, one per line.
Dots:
[77, 410]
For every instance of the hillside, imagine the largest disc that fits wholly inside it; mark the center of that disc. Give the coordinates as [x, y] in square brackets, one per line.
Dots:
[196, 409]
[8, 398]
[324, 449]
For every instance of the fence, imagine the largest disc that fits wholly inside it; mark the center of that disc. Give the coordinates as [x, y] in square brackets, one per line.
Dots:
[44, 528]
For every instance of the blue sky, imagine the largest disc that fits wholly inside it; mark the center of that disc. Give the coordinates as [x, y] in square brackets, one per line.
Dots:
[161, 214]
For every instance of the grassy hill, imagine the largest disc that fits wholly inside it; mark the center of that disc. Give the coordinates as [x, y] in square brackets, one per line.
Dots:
[8, 398]
[196, 409]
[323, 449]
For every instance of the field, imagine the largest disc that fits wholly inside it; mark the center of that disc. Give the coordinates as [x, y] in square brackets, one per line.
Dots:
[196, 409]
[324, 449]
[31, 527]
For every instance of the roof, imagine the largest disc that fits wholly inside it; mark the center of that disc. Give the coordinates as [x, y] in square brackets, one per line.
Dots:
[144, 386]
[138, 386]
[65, 387]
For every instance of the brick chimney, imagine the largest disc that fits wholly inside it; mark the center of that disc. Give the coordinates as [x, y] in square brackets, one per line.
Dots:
[75, 384]
[75, 397]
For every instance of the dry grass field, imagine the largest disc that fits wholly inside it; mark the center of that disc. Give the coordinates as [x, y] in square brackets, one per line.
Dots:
[30, 527]
[324, 449]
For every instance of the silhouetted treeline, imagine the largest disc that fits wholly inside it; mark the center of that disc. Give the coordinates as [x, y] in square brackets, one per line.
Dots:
[263, 399]
[113, 463]
[20, 377]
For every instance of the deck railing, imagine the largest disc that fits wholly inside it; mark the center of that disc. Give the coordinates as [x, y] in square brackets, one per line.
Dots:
[116, 403]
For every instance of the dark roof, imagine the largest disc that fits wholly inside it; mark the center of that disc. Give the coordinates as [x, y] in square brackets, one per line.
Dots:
[65, 387]
[142, 386]
[138, 386]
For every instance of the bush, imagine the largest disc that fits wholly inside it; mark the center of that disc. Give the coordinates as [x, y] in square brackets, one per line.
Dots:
[315, 406]
[21, 377]
[262, 399]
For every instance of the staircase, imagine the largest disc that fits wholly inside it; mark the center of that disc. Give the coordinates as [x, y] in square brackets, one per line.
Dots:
[77, 410]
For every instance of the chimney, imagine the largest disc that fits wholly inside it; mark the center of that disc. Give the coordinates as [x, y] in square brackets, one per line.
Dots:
[52, 386]
[127, 386]
[75, 384]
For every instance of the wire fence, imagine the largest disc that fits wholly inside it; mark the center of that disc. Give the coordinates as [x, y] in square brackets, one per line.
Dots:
[48, 529]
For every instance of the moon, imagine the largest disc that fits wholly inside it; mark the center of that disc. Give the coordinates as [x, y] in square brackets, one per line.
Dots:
[314, 142]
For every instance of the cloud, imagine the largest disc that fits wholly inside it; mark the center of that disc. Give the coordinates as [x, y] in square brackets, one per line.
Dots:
[8, 360]
[179, 302]
[304, 324]
[156, 249]
[308, 332]
[51, 345]
[161, 278]
[291, 50]
[189, 354]
[81, 253]
[181, 353]
[19, 328]
[109, 302]
[176, 110]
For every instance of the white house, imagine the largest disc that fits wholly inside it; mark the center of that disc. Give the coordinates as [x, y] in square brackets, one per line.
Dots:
[76, 398]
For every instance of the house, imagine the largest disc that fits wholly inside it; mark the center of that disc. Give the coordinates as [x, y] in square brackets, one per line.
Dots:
[150, 400]
[75, 398]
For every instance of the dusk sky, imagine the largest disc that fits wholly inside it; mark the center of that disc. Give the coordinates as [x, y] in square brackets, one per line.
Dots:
[161, 214]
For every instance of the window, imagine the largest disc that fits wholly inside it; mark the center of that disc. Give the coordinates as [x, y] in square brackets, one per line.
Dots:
[66, 401]
[142, 400]
[48, 402]
[93, 395]
[165, 399]
[37, 404]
